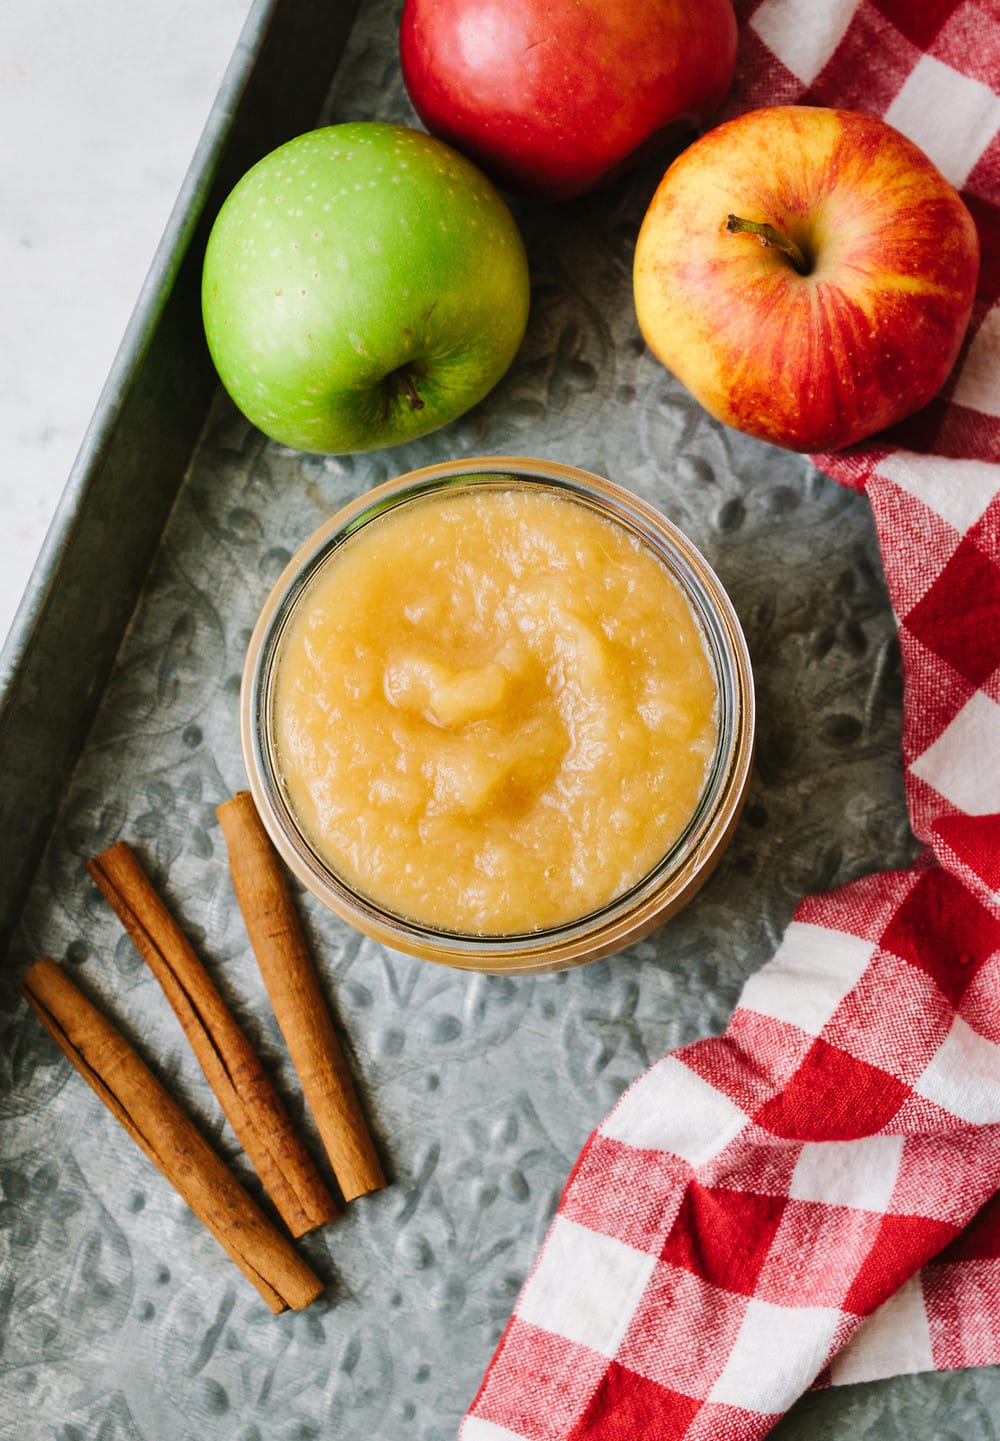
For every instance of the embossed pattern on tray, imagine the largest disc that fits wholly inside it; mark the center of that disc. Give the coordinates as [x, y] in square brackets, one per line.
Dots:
[120, 1317]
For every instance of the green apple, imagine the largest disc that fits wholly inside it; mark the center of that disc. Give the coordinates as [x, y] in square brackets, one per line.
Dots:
[363, 284]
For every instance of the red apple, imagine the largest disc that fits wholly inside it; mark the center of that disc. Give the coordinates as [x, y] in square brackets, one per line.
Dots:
[808, 274]
[555, 97]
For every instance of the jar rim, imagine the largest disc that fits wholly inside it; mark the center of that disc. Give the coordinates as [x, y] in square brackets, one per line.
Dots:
[684, 865]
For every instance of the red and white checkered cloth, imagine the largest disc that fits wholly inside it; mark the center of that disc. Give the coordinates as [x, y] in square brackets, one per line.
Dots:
[806, 1200]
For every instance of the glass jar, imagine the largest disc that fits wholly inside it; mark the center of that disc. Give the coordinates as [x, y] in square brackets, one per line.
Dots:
[678, 873]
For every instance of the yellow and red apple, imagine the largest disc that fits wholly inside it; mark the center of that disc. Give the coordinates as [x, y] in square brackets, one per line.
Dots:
[808, 274]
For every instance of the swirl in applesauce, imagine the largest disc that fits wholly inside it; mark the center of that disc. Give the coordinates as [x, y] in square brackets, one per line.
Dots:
[494, 712]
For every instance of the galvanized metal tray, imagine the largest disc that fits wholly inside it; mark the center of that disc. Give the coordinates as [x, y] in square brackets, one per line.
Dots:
[119, 1317]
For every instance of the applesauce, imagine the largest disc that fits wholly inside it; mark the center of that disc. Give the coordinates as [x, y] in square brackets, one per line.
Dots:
[494, 711]
[499, 714]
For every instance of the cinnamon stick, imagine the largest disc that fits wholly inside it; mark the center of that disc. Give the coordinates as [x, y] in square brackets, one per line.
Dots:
[293, 986]
[231, 1065]
[169, 1138]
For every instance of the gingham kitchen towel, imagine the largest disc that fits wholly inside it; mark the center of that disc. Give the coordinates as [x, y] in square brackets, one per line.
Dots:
[811, 1198]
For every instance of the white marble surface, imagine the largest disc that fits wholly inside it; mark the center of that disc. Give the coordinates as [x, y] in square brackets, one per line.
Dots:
[101, 106]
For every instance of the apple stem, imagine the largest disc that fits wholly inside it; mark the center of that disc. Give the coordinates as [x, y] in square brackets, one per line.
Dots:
[767, 235]
[411, 392]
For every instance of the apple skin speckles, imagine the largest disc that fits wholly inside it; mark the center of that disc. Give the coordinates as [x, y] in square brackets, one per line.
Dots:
[868, 335]
[361, 286]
